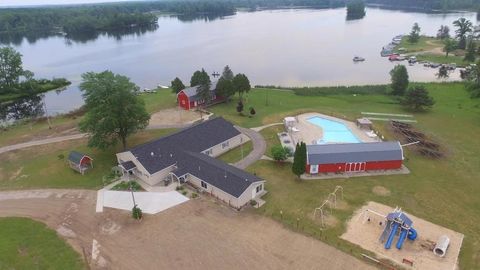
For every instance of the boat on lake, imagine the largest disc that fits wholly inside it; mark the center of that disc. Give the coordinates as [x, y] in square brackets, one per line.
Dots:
[358, 59]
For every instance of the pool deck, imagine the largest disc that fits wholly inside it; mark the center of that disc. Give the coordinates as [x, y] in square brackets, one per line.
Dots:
[311, 133]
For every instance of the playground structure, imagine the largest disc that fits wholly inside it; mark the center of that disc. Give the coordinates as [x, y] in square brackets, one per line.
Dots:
[330, 202]
[397, 222]
[435, 247]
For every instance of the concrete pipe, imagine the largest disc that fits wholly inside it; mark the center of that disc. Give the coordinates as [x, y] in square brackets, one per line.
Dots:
[441, 246]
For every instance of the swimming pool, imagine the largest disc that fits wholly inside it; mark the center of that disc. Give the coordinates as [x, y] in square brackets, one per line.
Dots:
[333, 131]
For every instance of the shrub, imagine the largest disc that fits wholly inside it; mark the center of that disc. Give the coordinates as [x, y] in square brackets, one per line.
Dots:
[61, 157]
[184, 193]
[179, 188]
[253, 202]
[125, 186]
[137, 212]
[279, 152]
[194, 195]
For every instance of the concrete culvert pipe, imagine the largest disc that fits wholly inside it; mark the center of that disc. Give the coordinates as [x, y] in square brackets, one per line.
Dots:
[441, 246]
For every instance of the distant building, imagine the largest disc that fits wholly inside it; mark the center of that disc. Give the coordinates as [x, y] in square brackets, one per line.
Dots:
[189, 98]
[354, 157]
[188, 156]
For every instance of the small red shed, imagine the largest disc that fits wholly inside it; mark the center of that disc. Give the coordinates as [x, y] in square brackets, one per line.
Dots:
[79, 162]
[354, 157]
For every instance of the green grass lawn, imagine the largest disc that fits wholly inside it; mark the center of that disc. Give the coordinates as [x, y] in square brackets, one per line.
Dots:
[270, 136]
[235, 154]
[43, 167]
[423, 51]
[27, 131]
[27, 244]
[444, 191]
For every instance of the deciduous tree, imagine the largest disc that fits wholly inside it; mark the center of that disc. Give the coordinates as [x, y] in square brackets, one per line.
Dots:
[399, 77]
[471, 52]
[279, 153]
[113, 110]
[241, 84]
[449, 45]
[464, 27]
[10, 69]
[177, 85]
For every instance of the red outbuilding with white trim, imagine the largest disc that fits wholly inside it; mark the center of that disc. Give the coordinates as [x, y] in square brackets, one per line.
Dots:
[354, 157]
[188, 98]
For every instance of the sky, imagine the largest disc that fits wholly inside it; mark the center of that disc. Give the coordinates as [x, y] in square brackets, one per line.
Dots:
[4, 3]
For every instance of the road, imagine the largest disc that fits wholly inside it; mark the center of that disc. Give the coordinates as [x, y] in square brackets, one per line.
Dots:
[259, 147]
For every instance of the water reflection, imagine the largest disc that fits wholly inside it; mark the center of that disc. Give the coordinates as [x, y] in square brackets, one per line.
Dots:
[17, 38]
[24, 108]
[203, 17]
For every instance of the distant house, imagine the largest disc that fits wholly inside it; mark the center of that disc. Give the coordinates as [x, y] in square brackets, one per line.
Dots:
[188, 98]
[189, 156]
[354, 157]
[79, 162]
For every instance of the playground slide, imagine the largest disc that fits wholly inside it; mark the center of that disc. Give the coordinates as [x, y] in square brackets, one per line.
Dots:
[402, 237]
[412, 234]
[388, 244]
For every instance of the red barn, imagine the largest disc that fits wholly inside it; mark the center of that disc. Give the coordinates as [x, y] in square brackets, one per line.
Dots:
[354, 157]
[188, 98]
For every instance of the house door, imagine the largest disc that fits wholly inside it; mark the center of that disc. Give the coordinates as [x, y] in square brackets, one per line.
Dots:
[313, 169]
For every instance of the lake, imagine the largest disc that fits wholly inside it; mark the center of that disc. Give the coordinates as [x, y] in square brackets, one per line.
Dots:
[294, 47]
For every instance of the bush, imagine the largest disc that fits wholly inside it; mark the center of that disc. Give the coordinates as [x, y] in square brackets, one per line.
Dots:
[253, 202]
[279, 153]
[137, 212]
[184, 193]
[61, 157]
[125, 186]
[194, 195]
[179, 188]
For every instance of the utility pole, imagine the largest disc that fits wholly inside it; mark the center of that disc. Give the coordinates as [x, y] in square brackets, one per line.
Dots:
[133, 197]
[46, 113]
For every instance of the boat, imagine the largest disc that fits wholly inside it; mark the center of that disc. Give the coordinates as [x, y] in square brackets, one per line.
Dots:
[358, 59]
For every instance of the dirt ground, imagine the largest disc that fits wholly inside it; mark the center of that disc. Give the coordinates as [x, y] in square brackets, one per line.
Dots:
[174, 116]
[366, 234]
[199, 234]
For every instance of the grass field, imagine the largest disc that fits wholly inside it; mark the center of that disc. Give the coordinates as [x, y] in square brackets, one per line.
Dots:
[30, 130]
[431, 49]
[235, 154]
[441, 191]
[27, 244]
[42, 167]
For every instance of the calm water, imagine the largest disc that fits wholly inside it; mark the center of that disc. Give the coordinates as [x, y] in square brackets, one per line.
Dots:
[280, 47]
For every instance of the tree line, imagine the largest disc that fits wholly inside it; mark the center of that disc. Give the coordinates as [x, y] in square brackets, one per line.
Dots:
[15, 81]
[429, 4]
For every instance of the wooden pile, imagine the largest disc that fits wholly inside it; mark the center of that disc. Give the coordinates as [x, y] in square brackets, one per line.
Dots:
[424, 145]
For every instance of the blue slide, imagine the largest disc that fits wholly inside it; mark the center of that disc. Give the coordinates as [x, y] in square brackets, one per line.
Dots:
[412, 234]
[388, 244]
[402, 237]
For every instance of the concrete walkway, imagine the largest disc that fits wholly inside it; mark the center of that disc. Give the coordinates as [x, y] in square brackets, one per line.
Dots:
[259, 147]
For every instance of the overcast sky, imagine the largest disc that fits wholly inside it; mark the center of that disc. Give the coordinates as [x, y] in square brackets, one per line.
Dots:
[4, 3]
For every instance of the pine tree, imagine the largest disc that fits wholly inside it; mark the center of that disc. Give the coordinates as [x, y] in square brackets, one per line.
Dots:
[299, 159]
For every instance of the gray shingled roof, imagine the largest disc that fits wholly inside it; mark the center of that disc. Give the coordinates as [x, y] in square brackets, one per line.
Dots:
[191, 92]
[217, 173]
[184, 149]
[354, 152]
[128, 165]
[163, 152]
[76, 157]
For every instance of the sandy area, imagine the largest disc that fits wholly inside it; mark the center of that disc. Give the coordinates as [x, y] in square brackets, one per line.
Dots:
[366, 234]
[174, 116]
[198, 234]
[310, 133]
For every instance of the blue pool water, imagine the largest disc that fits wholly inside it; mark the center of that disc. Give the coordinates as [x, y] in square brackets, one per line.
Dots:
[333, 131]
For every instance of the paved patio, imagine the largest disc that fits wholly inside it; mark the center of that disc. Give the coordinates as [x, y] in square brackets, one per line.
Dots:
[149, 202]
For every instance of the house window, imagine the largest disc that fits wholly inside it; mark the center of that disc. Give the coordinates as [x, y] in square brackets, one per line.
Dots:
[204, 185]
[225, 145]
[209, 152]
[259, 188]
